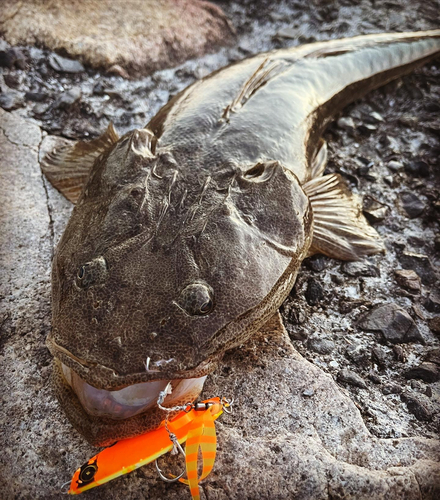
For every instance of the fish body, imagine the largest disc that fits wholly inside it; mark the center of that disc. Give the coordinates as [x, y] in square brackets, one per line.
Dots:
[187, 235]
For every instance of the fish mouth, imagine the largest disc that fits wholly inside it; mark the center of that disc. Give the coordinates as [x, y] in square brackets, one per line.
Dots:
[133, 399]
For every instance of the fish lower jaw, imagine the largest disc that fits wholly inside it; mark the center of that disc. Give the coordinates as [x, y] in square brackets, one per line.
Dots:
[131, 400]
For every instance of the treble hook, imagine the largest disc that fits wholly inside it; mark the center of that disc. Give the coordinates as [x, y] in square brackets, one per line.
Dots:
[179, 448]
[63, 490]
[227, 404]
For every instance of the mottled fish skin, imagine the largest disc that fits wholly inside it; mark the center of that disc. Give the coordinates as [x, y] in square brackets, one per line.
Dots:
[213, 205]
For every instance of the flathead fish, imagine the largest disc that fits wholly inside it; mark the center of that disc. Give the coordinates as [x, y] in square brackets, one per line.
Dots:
[187, 235]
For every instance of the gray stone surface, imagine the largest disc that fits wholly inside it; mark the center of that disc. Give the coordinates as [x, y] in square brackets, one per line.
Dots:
[293, 432]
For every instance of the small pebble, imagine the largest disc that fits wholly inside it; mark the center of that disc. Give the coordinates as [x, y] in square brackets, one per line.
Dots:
[391, 389]
[412, 205]
[11, 100]
[417, 168]
[434, 324]
[352, 378]
[64, 65]
[316, 263]
[321, 346]
[395, 324]
[314, 292]
[395, 165]
[399, 354]
[421, 264]
[428, 372]
[408, 279]
[346, 123]
[360, 268]
[417, 407]
[67, 98]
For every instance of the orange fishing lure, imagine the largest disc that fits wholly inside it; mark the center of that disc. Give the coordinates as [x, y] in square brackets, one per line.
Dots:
[195, 425]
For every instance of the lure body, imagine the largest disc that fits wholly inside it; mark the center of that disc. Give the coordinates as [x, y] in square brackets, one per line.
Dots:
[188, 234]
[129, 454]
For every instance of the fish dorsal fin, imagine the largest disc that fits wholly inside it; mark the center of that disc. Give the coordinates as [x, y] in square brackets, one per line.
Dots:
[267, 70]
[339, 229]
[68, 167]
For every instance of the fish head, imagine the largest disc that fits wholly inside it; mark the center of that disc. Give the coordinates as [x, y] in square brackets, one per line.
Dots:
[161, 269]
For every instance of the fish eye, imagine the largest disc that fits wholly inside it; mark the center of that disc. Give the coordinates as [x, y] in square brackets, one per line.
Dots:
[91, 273]
[197, 299]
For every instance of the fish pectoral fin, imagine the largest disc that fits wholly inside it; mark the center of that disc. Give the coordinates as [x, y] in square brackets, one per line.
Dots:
[68, 167]
[320, 160]
[339, 230]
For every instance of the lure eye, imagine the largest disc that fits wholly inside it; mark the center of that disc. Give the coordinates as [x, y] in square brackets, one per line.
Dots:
[81, 272]
[197, 299]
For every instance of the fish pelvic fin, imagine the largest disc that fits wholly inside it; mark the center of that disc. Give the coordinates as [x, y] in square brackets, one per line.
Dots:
[68, 167]
[339, 229]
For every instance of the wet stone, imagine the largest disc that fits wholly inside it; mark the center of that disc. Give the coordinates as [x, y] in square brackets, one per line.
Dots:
[399, 354]
[349, 377]
[417, 168]
[360, 268]
[374, 117]
[373, 210]
[412, 205]
[316, 263]
[408, 279]
[67, 98]
[35, 96]
[374, 378]
[12, 57]
[6, 60]
[314, 292]
[308, 393]
[432, 302]
[433, 356]
[12, 80]
[346, 123]
[418, 407]
[358, 354]
[420, 264]
[11, 100]
[367, 129]
[40, 108]
[289, 33]
[426, 371]
[395, 324]
[321, 346]
[391, 389]
[434, 324]
[395, 166]
[379, 356]
[64, 65]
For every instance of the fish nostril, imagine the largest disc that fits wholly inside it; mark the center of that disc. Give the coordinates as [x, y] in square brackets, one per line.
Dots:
[261, 172]
[256, 171]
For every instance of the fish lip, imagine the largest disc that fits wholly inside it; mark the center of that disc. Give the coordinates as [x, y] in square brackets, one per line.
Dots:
[102, 377]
